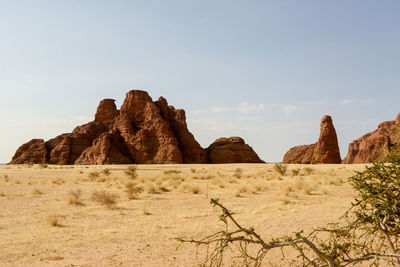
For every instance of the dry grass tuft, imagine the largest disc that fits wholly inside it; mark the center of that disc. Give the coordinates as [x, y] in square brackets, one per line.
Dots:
[133, 190]
[93, 175]
[308, 170]
[54, 220]
[238, 173]
[106, 198]
[195, 189]
[36, 192]
[132, 172]
[75, 197]
[106, 172]
[280, 168]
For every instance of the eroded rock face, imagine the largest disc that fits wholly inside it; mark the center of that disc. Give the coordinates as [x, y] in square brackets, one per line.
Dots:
[374, 145]
[106, 111]
[300, 154]
[231, 150]
[32, 152]
[327, 147]
[325, 150]
[142, 131]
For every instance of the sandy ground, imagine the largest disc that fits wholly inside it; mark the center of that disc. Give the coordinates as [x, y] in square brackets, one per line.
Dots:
[174, 203]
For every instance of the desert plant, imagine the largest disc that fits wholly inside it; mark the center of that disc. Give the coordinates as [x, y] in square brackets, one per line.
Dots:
[36, 191]
[106, 172]
[295, 172]
[94, 174]
[172, 172]
[308, 170]
[54, 220]
[43, 165]
[238, 173]
[106, 198]
[368, 233]
[75, 197]
[280, 168]
[133, 190]
[132, 172]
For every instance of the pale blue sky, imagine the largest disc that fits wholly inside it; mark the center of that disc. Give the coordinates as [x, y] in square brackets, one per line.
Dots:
[264, 70]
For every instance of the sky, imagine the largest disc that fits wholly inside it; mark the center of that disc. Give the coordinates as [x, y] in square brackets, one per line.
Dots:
[267, 71]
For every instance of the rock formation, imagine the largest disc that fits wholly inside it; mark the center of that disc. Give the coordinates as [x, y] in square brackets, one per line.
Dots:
[142, 131]
[231, 150]
[32, 152]
[372, 146]
[325, 150]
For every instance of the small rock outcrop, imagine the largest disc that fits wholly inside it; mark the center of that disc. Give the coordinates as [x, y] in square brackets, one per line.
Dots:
[142, 131]
[231, 150]
[325, 150]
[32, 152]
[374, 145]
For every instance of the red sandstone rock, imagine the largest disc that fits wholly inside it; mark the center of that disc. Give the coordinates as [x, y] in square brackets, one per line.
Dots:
[300, 154]
[106, 149]
[326, 150]
[32, 152]
[374, 145]
[231, 150]
[107, 110]
[191, 150]
[327, 147]
[142, 131]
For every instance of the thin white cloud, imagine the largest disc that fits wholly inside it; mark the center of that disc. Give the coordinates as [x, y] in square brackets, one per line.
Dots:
[198, 111]
[289, 108]
[220, 109]
[346, 101]
[246, 107]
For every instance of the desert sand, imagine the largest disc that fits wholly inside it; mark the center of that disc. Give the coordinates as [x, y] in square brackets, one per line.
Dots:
[40, 225]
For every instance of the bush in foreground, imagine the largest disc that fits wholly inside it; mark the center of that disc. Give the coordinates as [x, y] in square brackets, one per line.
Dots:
[368, 234]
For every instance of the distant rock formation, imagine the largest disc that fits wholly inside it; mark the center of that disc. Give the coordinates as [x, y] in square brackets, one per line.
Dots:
[142, 131]
[326, 150]
[372, 146]
[231, 150]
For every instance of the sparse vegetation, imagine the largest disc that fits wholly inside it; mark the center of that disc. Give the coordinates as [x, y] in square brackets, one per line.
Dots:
[106, 198]
[75, 197]
[308, 170]
[367, 233]
[132, 172]
[172, 172]
[106, 172]
[94, 174]
[295, 172]
[280, 168]
[238, 173]
[54, 220]
[133, 190]
[36, 191]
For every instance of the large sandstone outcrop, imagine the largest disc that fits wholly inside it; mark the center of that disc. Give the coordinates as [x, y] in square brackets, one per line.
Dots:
[372, 146]
[231, 150]
[325, 150]
[142, 131]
